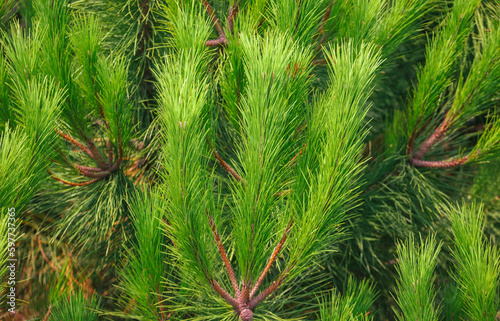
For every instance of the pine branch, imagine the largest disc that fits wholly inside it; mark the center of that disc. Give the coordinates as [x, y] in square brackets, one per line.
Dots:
[432, 140]
[76, 306]
[222, 40]
[74, 142]
[244, 303]
[100, 175]
[97, 157]
[213, 16]
[233, 11]
[426, 146]
[88, 168]
[477, 262]
[48, 313]
[415, 291]
[227, 168]
[223, 255]
[355, 302]
[93, 173]
[223, 294]
[268, 291]
[436, 76]
[273, 257]
[90, 150]
[65, 182]
[441, 164]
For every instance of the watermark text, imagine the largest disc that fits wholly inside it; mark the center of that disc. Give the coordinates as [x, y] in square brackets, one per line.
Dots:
[12, 259]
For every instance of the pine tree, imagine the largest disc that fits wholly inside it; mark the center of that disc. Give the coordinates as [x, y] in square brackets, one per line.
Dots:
[250, 160]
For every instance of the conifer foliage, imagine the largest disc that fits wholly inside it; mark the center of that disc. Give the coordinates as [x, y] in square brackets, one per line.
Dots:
[250, 160]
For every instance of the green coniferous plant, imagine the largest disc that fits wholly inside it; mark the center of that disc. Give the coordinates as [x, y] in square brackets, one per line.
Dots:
[250, 160]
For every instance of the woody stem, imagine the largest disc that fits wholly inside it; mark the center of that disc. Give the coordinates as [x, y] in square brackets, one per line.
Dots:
[441, 164]
[97, 157]
[214, 18]
[219, 41]
[271, 260]
[223, 255]
[226, 167]
[432, 140]
[223, 294]
[233, 10]
[74, 184]
[90, 149]
[74, 142]
[268, 291]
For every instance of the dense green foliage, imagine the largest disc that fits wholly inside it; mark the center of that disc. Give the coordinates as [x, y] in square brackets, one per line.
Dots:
[240, 160]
